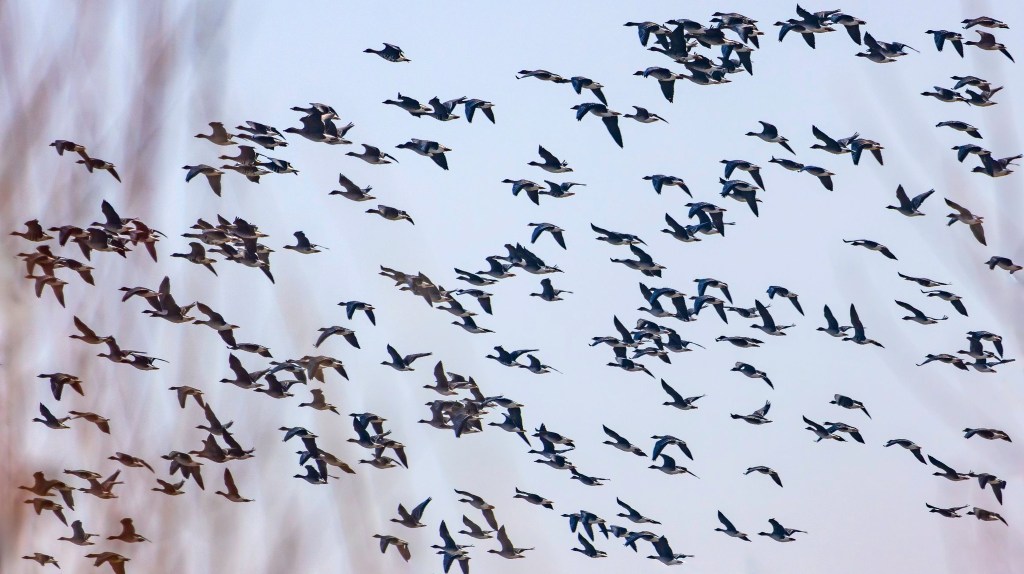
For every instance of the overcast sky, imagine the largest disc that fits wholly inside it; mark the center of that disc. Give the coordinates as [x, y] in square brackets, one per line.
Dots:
[862, 505]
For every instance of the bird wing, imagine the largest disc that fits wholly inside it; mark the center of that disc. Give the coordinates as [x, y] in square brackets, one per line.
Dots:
[725, 521]
[612, 123]
[762, 312]
[547, 156]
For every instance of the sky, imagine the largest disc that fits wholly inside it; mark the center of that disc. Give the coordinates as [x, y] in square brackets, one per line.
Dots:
[135, 86]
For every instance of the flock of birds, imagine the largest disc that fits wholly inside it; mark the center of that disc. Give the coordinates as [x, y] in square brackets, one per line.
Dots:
[463, 405]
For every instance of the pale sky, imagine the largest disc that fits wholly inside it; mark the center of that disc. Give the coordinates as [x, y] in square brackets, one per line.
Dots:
[862, 505]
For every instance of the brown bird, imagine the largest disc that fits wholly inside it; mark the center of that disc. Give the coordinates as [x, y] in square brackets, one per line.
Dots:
[34, 232]
[79, 535]
[130, 461]
[43, 559]
[65, 145]
[184, 392]
[964, 215]
[128, 533]
[232, 493]
[59, 380]
[92, 163]
[115, 560]
[50, 420]
[55, 284]
[198, 256]
[103, 489]
[101, 423]
[319, 402]
[168, 488]
[40, 504]
[88, 335]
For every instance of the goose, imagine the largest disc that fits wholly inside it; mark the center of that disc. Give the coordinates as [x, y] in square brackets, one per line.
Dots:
[478, 279]
[646, 29]
[987, 41]
[276, 165]
[509, 358]
[996, 167]
[412, 519]
[34, 232]
[962, 127]
[981, 99]
[400, 545]
[664, 441]
[676, 344]
[848, 403]
[560, 190]
[823, 175]
[128, 533]
[101, 422]
[60, 380]
[478, 503]
[953, 299]
[828, 144]
[945, 358]
[609, 117]
[859, 145]
[79, 536]
[551, 163]
[645, 117]
[942, 36]
[962, 151]
[947, 512]
[947, 472]
[615, 237]
[220, 136]
[996, 340]
[619, 442]
[1003, 263]
[352, 306]
[678, 401]
[767, 471]
[922, 281]
[348, 334]
[474, 530]
[964, 215]
[711, 301]
[42, 559]
[554, 230]
[741, 342]
[411, 105]
[50, 420]
[822, 432]
[303, 245]
[469, 325]
[243, 378]
[92, 163]
[372, 155]
[400, 363]
[754, 170]
[65, 145]
[485, 107]
[768, 327]
[858, 330]
[659, 181]
[532, 189]
[918, 316]
[872, 245]
[251, 172]
[669, 466]
[988, 434]
[431, 149]
[752, 372]
[770, 134]
[729, 528]
[986, 479]
[976, 350]
[507, 550]
[389, 52]
[115, 560]
[666, 79]
[633, 515]
[313, 476]
[987, 515]
[783, 292]
[212, 174]
[909, 207]
[130, 461]
[391, 213]
[851, 23]
[542, 75]
[833, 325]
[535, 499]
[319, 402]
[665, 555]
[40, 504]
[588, 549]
[482, 297]
[780, 533]
[944, 95]
[536, 367]
[757, 417]
[848, 429]
[548, 292]
[197, 255]
[985, 21]
[580, 83]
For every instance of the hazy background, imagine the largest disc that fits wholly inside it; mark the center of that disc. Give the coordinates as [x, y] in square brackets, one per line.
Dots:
[134, 83]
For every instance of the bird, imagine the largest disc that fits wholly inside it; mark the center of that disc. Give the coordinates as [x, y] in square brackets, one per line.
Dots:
[475, 531]
[780, 533]
[372, 155]
[542, 75]
[947, 472]
[588, 549]
[389, 52]
[609, 117]
[401, 545]
[352, 306]
[659, 181]
[128, 533]
[507, 550]
[768, 325]
[431, 149]
[619, 442]
[986, 515]
[858, 330]
[909, 207]
[987, 41]
[848, 403]
[953, 299]
[548, 291]
[554, 230]
[42, 559]
[391, 213]
[951, 512]
[79, 536]
[400, 363]
[872, 245]
[750, 371]
[352, 191]
[115, 560]
[918, 316]
[783, 292]
[765, 470]
[909, 445]
[665, 555]
[213, 175]
[551, 163]
[757, 417]
[1003, 263]
[303, 245]
[964, 215]
[485, 107]
[678, 401]
[50, 420]
[833, 325]
[412, 519]
[666, 79]
[770, 134]
[729, 528]
[644, 116]
[197, 255]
